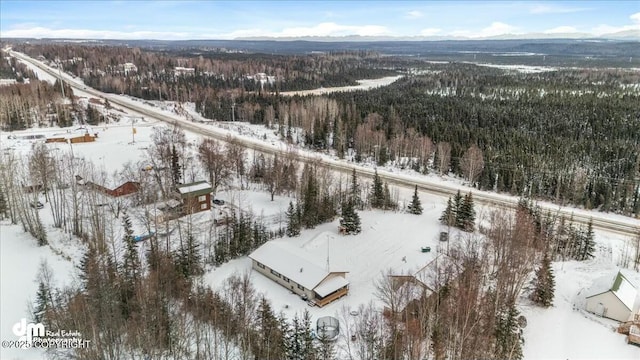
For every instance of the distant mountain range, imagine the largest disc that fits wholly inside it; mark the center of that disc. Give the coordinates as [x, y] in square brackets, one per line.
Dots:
[630, 35]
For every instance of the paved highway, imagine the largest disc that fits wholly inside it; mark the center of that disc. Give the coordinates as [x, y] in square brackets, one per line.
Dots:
[622, 225]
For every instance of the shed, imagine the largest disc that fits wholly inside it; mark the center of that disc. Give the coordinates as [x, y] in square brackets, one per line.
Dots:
[613, 297]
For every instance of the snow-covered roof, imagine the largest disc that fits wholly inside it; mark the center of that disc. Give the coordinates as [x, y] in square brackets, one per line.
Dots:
[284, 259]
[194, 187]
[331, 285]
[618, 285]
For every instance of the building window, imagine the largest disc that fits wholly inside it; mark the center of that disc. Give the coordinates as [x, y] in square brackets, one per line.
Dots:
[275, 273]
[261, 266]
[300, 287]
[203, 206]
[202, 198]
[285, 278]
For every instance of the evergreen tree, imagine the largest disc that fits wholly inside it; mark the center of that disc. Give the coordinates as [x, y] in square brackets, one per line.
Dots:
[130, 269]
[293, 220]
[42, 303]
[457, 207]
[415, 207]
[544, 283]
[448, 217]
[350, 220]
[466, 214]
[40, 232]
[508, 334]
[268, 326]
[588, 243]
[354, 191]
[175, 166]
[377, 192]
[388, 201]
[188, 260]
[309, 213]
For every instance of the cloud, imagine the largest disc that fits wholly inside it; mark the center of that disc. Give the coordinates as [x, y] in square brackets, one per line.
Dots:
[555, 9]
[430, 31]
[608, 29]
[322, 29]
[635, 17]
[415, 14]
[495, 29]
[331, 29]
[561, 30]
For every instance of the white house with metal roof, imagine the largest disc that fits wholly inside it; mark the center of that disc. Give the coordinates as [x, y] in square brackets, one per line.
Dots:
[289, 267]
[613, 297]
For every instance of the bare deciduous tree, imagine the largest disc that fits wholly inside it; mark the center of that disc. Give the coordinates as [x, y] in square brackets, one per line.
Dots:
[472, 163]
[215, 162]
[444, 157]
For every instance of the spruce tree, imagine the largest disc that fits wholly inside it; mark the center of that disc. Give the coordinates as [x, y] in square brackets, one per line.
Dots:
[293, 221]
[448, 217]
[189, 259]
[508, 334]
[415, 207]
[130, 269]
[544, 283]
[354, 191]
[388, 201]
[40, 232]
[588, 243]
[42, 302]
[350, 220]
[175, 166]
[457, 208]
[269, 345]
[466, 215]
[377, 192]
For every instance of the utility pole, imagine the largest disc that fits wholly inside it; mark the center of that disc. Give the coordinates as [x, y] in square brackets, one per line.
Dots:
[233, 111]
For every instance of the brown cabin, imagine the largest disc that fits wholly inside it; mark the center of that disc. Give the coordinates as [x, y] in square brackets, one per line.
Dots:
[195, 196]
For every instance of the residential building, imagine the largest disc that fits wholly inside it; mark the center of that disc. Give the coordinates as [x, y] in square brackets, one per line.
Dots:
[287, 266]
[195, 196]
[613, 297]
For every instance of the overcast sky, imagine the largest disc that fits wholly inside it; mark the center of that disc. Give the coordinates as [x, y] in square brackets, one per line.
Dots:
[232, 19]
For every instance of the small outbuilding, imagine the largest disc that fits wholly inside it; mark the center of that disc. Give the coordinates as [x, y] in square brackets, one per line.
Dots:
[195, 196]
[613, 297]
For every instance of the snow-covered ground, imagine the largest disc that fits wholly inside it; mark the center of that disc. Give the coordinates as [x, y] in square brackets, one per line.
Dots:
[20, 260]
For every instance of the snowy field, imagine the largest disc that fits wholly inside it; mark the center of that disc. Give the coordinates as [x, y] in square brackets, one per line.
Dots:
[367, 84]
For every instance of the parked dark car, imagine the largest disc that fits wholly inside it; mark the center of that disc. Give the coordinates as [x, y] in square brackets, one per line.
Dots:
[218, 202]
[36, 205]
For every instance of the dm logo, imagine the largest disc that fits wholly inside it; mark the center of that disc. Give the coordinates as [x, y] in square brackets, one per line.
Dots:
[26, 332]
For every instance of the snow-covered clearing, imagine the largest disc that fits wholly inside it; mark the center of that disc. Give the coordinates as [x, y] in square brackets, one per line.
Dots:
[367, 84]
[526, 69]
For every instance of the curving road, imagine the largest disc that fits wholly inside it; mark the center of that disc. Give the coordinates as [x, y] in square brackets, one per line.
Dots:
[618, 224]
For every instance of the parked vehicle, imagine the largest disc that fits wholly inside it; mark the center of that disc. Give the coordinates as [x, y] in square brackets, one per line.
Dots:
[36, 205]
[218, 202]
